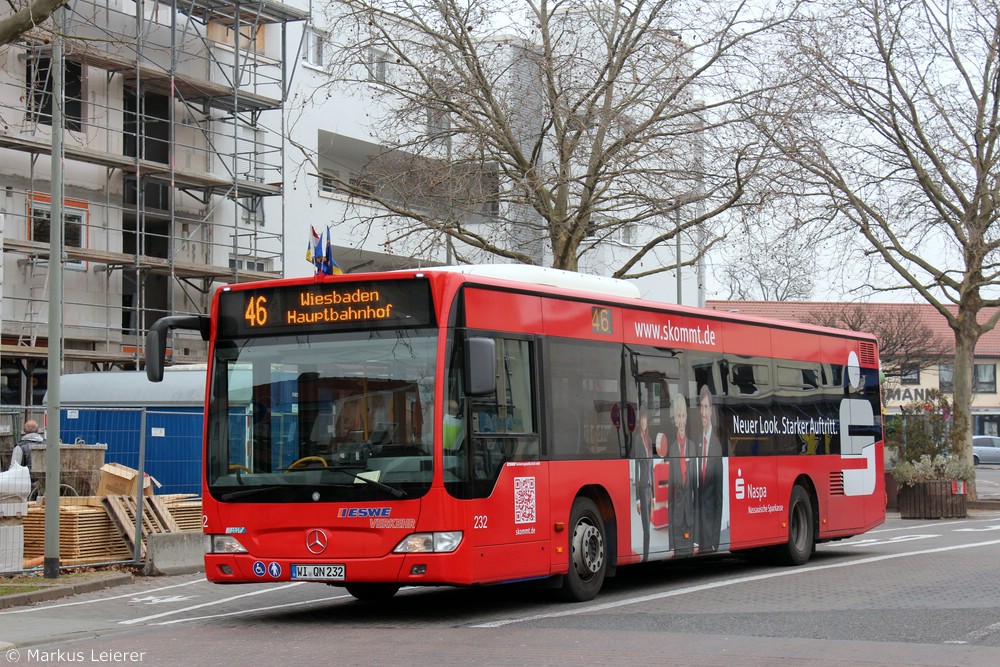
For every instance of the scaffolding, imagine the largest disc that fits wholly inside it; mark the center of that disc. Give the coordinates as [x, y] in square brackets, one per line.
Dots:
[173, 142]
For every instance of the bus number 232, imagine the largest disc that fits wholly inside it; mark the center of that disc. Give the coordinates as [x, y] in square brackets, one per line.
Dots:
[479, 521]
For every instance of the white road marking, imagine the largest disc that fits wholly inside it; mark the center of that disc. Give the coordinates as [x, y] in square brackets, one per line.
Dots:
[935, 525]
[578, 610]
[891, 540]
[28, 610]
[143, 619]
[976, 635]
[241, 612]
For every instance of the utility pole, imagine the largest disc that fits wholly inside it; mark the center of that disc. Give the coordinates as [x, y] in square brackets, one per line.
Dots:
[52, 448]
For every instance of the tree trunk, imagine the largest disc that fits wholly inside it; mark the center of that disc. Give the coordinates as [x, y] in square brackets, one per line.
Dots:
[27, 18]
[966, 336]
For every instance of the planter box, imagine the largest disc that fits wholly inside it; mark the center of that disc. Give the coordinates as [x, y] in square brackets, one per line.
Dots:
[932, 500]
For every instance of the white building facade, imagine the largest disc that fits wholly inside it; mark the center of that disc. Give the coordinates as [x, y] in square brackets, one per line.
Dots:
[197, 152]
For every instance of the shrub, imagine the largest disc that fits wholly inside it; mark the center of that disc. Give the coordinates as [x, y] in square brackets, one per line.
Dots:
[921, 429]
[933, 469]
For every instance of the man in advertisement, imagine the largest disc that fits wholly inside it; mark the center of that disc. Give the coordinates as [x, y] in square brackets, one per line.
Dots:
[710, 480]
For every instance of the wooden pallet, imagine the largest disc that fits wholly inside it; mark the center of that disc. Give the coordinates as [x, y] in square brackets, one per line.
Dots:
[156, 518]
[186, 510]
[88, 534]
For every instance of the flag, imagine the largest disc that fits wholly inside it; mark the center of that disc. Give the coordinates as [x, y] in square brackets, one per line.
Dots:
[313, 245]
[319, 256]
[330, 265]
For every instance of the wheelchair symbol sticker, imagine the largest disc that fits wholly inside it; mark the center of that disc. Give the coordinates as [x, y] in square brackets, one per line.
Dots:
[259, 569]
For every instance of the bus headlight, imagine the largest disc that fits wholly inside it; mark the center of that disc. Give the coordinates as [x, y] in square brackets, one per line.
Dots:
[443, 542]
[223, 544]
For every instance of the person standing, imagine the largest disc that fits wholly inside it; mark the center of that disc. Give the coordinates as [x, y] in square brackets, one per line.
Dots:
[643, 477]
[22, 450]
[710, 479]
[683, 481]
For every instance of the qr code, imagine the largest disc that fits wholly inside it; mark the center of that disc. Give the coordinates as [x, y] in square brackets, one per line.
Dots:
[524, 500]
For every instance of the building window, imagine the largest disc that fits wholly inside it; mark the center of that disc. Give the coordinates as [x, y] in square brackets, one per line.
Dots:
[38, 79]
[910, 374]
[326, 183]
[984, 378]
[377, 61]
[946, 374]
[251, 35]
[41, 221]
[361, 186]
[438, 124]
[249, 264]
[315, 47]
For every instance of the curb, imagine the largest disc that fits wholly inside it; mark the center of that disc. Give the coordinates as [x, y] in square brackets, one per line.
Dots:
[56, 592]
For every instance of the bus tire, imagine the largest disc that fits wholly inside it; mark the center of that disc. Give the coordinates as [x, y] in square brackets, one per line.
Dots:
[378, 592]
[801, 530]
[588, 552]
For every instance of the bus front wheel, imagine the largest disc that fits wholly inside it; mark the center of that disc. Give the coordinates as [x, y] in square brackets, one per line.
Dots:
[588, 552]
[801, 530]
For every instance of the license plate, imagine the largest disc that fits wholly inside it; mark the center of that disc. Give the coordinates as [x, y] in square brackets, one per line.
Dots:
[319, 572]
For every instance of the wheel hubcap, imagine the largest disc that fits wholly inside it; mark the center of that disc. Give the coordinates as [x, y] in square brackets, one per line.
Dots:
[588, 549]
[799, 527]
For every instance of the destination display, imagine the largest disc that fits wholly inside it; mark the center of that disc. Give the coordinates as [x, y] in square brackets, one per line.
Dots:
[322, 307]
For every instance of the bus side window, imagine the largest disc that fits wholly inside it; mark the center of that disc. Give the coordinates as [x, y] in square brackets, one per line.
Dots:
[743, 379]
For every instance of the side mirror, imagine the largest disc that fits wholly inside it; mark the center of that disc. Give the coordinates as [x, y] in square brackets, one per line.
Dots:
[156, 340]
[156, 352]
[480, 366]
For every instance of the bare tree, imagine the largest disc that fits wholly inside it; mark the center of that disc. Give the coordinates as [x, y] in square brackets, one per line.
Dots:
[769, 254]
[25, 16]
[527, 128]
[901, 139]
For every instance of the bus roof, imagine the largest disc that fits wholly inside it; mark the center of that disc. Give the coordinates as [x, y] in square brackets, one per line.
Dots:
[541, 275]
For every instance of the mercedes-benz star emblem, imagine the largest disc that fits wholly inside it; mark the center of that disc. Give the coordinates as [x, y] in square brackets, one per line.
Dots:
[316, 541]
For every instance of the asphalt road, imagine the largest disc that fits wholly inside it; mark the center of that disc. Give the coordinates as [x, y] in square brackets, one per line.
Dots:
[988, 481]
[908, 593]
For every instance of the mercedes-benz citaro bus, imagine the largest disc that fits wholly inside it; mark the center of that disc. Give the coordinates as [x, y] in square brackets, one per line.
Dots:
[487, 424]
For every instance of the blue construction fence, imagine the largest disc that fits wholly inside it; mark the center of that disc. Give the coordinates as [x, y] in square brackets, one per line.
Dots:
[171, 438]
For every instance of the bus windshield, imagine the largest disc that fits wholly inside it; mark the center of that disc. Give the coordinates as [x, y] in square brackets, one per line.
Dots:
[322, 417]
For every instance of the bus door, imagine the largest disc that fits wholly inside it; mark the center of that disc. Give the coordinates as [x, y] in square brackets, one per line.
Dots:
[654, 378]
[492, 460]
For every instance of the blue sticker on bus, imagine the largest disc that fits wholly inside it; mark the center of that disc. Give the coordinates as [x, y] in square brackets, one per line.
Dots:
[259, 568]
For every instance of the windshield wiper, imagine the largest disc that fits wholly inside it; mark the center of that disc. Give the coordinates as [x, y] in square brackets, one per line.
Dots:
[391, 490]
[250, 492]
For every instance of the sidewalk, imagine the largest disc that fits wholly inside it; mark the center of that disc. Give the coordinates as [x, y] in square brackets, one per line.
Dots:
[33, 587]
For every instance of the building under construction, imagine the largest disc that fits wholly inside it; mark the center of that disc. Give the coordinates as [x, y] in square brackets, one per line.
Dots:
[172, 142]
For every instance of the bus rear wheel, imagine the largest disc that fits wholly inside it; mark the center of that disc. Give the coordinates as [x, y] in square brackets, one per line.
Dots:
[801, 530]
[588, 552]
[372, 592]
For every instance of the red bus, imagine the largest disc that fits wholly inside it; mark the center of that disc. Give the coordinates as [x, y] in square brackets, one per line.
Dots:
[489, 424]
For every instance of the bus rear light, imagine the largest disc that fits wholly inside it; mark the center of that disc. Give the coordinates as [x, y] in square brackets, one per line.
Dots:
[443, 542]
[223, 544]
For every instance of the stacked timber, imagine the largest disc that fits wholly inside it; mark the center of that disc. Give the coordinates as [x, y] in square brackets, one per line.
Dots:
[96, 529]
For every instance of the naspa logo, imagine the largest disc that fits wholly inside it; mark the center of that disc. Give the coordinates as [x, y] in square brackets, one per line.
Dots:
[363, 512]
[744, 489]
